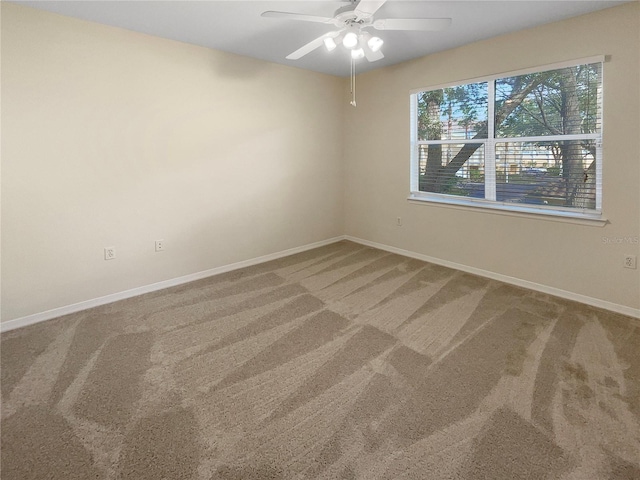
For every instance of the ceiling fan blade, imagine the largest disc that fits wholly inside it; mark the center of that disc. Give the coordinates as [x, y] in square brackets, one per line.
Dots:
[366, 8]
[297, 16]
[426, 24]
[311, 46]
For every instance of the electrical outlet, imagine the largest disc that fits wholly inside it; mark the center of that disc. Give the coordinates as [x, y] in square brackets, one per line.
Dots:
[109, 253]
[630, 261]
[159, 245]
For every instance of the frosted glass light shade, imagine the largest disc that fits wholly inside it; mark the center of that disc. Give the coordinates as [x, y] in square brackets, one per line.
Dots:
[357, 53]
[375, 43]
[330, 43]
[350, 40]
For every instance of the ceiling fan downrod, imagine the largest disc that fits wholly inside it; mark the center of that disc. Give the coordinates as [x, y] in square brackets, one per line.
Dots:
[353, 82]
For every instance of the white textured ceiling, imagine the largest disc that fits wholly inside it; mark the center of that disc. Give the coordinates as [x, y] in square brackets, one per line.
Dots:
[236, 25]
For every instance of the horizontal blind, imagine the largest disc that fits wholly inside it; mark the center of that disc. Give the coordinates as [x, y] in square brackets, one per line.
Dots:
[547, 130]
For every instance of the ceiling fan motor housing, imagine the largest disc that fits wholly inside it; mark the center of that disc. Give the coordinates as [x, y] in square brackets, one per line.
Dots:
[348, 18]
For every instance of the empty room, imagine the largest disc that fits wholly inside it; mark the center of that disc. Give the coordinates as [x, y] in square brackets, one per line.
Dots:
[330, 239]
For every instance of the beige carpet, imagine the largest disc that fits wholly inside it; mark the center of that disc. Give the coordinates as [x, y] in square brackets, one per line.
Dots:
[344, 362]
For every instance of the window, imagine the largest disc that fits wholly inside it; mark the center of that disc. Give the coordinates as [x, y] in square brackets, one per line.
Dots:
[528, 141]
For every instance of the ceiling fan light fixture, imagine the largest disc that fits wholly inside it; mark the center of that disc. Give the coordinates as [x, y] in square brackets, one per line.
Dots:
[350, 40]
[330, 43]
[375, 43]
[357, 53]
[352, 22]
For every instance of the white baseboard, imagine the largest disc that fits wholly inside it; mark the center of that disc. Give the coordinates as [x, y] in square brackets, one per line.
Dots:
[595, 302]
[76, 307]
[114, 297]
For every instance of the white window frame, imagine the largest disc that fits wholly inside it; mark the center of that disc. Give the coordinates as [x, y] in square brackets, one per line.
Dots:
[489, 203]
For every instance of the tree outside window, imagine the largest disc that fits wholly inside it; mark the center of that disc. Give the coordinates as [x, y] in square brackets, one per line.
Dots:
[530, 139]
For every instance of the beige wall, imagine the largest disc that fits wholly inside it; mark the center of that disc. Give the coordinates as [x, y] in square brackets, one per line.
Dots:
[113, 138]
[564, 256]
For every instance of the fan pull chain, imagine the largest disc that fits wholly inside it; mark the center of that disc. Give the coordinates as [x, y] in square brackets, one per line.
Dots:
[353, 83]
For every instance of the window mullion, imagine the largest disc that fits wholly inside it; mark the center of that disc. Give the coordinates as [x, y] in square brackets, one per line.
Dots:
[455, 141]
[550, 138]
[490, 146]
[413, 112]
[598, 174]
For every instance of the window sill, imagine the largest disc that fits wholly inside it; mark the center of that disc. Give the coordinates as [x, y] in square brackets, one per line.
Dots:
[482, 206]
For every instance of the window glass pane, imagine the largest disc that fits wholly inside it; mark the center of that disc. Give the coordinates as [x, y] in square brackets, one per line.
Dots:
[453, 113]
[556, 102]
[452, 169]
[560, 174]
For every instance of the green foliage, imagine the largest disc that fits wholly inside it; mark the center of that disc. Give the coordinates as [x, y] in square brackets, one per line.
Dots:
[454, 112]
[544, 109]
[557, 102]
[451, 187]
[475, 176]
[429, 126]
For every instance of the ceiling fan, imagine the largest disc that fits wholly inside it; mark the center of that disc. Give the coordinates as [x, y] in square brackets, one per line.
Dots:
[353, 22]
